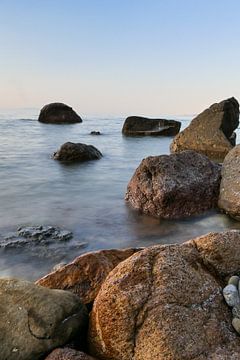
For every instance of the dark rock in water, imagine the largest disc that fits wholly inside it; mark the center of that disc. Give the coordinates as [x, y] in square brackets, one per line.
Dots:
[211, 132]
[35, 320]
[175, 186]
[95, 133]
[141, 126]
[166, 303]
[58, 113]
[229, 198]
[77, 152]
[68, 354]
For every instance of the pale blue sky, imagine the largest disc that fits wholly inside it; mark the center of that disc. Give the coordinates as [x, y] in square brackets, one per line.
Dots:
[119, 57]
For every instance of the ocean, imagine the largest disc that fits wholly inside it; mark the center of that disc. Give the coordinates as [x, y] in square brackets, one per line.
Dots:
[86, 198]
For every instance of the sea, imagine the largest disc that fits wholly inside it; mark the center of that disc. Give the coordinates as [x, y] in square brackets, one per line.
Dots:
[85, 198]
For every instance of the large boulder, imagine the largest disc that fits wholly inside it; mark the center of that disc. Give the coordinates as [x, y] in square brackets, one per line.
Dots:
[35, 320]
[58, 113]
[229, 198]
[211, 132]
[77, 152]
[141, 126]
[166, 303]
[85, 275]
[174, 186]
[68, 354]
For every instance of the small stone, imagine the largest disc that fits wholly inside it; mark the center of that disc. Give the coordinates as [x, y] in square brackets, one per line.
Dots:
[231, 296]
[236, 324]
[236, 311]
[234, 280]
[95, 133]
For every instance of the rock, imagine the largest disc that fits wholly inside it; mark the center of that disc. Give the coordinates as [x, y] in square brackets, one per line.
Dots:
[68, 354]
[234, 280]
[85, 275]
[58, 113]
[165, 302]
[59, 266]
[141, 126]
[35, 320]
[211, 132]
[231, 296]
[229, 198]
[174, 186]
[236, 311]
[236, 324]
[95, 133]
[77, 152]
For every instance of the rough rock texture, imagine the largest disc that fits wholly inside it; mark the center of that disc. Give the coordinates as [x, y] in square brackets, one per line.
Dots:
[166, 302]
[211, 132]
[175, 186]
[229, 198]
[34, 320]
[85, 275]
[141, 126]
[58, 113]
[68, 354]
[77, 152]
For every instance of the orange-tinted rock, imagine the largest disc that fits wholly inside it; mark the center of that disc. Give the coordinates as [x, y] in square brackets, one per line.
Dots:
[68, 354]
[229, 198]
[166, 303]
[211, 132]
[85, 275]
[175, 186]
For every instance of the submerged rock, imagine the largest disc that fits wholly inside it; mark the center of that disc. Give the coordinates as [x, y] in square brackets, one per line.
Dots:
[142, 126]
[85, 275]
[58, 113]
[174, 186]
[68, 354]
[34, 320]
[165, 302]
[95, 133]
[229, 198]
[211, 132]
[77, 152]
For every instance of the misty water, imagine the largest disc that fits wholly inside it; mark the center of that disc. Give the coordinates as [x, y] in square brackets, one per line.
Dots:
[86, 198]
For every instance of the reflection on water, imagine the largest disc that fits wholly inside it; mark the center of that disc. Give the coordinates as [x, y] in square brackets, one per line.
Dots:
[87, 199]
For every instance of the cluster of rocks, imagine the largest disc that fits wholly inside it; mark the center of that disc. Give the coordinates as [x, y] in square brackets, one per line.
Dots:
[161, 302]
[188, 181]
[232, 297]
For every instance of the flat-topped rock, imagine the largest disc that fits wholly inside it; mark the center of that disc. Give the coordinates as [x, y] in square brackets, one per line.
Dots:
[58, 113]
[71, 152]
[174, 186]
[229, 198]
[85, 275]
[211, 132]
[35, 320]
[165, 303]
[142, 126]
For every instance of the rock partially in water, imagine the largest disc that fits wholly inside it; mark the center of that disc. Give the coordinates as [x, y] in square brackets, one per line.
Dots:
[142, 126]
[35, 320]
[175, 186]
[95, 133]
[58, 113]
[211, 132]
[71, 152]
[231, 295]
[68, 354]
[44, 233]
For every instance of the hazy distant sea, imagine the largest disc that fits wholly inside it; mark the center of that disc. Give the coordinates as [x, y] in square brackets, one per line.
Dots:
[87, 198]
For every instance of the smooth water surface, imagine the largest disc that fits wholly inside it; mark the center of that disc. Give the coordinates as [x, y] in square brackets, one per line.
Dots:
[86, 198]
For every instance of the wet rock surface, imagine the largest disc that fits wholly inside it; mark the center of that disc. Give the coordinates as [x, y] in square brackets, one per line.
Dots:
[165, 302]
[85, 275]
[141, 126]
[229, 198]
[70, 152]
[211, 132]
[58, 113]
[34, 320]
[175, 186]
[68, 354]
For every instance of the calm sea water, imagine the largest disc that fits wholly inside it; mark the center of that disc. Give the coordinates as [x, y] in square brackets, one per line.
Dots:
[87, 198]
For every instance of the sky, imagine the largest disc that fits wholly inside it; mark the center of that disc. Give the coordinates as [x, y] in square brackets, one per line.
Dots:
[119, 57]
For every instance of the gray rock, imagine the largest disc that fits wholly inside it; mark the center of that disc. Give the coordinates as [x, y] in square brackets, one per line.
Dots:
[234, 280]
[236, 324]
[34, 320]
[236, 311]
[142, 126]
[44, 233]
[231, 295]
[71, 152]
